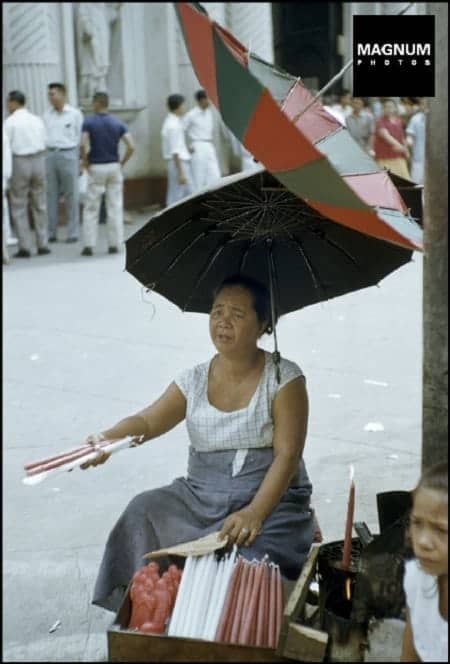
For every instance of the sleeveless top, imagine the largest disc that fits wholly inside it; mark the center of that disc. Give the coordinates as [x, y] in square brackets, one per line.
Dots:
[211, 429]
[429, 629]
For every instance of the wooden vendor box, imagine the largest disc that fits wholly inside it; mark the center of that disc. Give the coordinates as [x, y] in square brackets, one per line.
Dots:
[296, 641]
[126, 645]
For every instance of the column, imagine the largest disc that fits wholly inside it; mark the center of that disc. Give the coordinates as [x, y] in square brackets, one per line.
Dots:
[31, 41]
[251, 23]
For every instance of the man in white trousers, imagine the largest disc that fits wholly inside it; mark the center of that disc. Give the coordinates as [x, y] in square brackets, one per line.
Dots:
[199, 126]
[27, 186]
[175, 152]
[100, 138]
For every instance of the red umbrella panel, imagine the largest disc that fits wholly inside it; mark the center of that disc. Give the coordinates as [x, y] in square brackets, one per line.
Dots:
[310, 153]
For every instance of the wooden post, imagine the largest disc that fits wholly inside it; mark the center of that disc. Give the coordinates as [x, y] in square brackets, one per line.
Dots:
[435, 288]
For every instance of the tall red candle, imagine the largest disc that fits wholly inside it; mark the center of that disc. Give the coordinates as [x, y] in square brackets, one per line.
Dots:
[347, 552]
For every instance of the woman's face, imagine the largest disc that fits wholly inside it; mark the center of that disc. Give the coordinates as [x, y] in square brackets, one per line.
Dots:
[429, 530]
[233, 323]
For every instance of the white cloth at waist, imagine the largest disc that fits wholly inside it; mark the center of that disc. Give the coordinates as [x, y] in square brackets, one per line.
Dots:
[199, 124]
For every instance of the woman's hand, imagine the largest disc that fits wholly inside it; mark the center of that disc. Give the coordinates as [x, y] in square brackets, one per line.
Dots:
[241, 527]
[94, 440]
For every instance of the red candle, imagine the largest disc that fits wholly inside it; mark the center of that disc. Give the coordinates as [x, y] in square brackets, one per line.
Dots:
[346, 555]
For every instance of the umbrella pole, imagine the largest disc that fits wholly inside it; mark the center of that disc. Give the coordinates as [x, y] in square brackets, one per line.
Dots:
[276, 353]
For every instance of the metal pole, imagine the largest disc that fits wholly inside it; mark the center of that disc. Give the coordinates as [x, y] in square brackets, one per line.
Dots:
[435, 266]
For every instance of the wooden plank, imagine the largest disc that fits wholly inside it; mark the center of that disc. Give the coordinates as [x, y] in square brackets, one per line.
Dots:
[127, 646]
[305, 644]
[298, 595]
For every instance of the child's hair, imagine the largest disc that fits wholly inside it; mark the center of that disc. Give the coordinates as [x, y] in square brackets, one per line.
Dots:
[434, 477]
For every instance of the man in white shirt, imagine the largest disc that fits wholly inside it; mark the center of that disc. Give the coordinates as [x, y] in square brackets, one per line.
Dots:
[199, 126]
[26, 135]
[415, 137]
[63, 123]
[175, 152]
[343, 107]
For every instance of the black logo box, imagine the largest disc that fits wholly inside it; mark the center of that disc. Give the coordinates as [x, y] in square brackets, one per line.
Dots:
[384, 75]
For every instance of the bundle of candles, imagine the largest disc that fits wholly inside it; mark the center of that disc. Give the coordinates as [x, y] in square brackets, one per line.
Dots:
[228, 599]
[199, 604]
[37, 471]
[254, 605]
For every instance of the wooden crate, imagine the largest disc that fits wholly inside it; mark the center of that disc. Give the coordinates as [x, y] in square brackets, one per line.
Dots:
[126, 645]
[296, 642]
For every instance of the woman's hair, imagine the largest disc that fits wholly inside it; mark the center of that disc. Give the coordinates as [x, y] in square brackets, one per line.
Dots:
[435, 477]
[260, 297]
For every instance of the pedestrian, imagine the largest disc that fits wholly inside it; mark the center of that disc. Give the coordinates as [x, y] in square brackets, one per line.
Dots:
[63, 123]
[361, 125]
[425, 638]
[101, 135]
[407, 106]
[391, 150]
[6, 174]
[26, 134]
[175, 152]
[332, 107]
[199, 127]
[247, 162]
[415, 137]
[246, 475]
[343, 107]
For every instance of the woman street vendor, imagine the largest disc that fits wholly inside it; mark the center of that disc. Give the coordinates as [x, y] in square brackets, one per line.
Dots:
[246, 476]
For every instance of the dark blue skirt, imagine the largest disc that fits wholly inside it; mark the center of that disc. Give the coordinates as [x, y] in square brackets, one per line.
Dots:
[194, 506]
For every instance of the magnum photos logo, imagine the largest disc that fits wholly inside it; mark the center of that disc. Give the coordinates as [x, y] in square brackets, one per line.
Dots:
[393, 56]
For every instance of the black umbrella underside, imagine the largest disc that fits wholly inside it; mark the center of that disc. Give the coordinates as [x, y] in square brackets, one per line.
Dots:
[254, 226]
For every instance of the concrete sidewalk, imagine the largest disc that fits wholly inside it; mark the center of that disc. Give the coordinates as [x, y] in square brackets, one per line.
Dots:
[83, 348]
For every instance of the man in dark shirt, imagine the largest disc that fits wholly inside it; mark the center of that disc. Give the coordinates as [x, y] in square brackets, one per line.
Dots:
[100, 138]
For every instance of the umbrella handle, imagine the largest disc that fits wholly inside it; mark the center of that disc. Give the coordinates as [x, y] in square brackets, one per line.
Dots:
[276, 355]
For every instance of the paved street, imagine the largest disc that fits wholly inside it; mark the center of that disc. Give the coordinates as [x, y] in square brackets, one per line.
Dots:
[83, 349]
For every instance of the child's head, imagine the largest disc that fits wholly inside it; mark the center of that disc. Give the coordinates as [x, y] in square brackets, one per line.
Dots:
[429, 520]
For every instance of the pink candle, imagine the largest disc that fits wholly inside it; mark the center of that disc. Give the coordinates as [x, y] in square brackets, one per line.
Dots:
[347, 552]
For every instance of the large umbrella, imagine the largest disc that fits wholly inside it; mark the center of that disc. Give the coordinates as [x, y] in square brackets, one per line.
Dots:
[250, 224]
[302, 145]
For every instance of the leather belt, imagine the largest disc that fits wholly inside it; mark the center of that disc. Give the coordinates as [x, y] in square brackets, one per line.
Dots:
[61, 149]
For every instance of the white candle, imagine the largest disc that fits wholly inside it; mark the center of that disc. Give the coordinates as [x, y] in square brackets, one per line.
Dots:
[180, 601]
[213, 599]
[192, 609]
[225, 580]
[184, 626]
[204, 594]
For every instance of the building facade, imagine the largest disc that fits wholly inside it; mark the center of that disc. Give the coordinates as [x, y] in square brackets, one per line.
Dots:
[137, 51]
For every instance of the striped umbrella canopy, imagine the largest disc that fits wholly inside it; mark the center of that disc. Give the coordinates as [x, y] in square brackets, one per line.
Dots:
[302, 145]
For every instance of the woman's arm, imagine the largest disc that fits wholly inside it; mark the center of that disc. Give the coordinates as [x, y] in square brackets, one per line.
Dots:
[409, 653]
[290, 417]
[158, 418]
